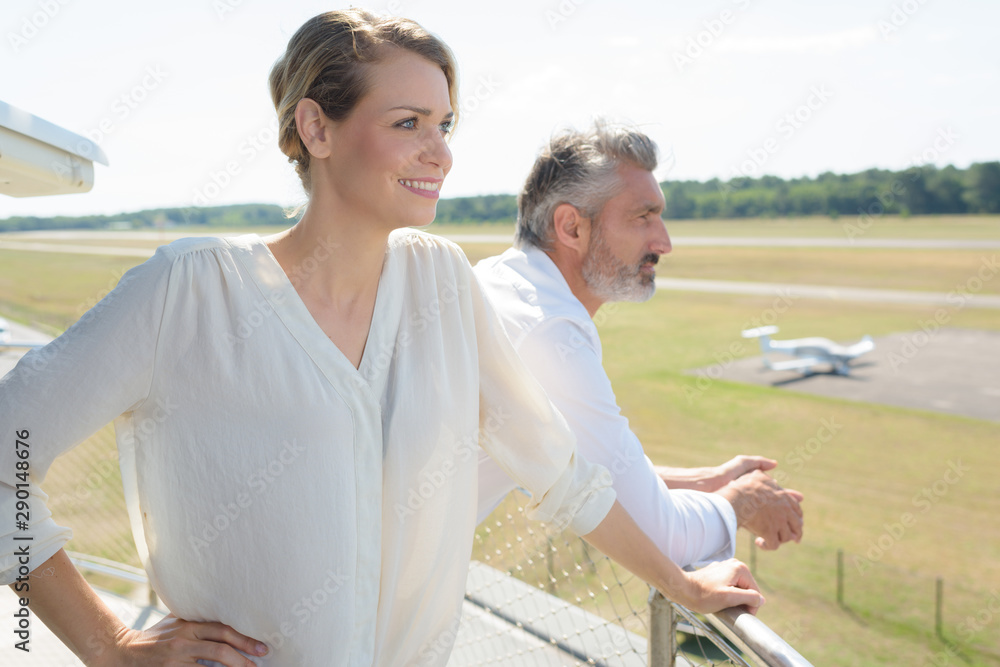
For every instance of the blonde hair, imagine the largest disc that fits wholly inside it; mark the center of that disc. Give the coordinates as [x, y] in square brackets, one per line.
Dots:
[328, 59]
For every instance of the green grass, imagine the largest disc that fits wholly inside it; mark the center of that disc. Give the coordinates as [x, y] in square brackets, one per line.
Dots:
[845, 227]
[54, 290]
[924, 270]
[862, 480]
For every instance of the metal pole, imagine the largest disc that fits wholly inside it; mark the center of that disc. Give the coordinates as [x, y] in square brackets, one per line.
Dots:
[840, 577]
[549, 565]
[938, 603]
[662, 631]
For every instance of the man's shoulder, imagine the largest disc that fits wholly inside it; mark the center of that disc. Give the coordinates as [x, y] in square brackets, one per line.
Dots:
[528, 291]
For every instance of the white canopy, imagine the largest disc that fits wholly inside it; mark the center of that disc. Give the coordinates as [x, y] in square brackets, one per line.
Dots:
[39, 158]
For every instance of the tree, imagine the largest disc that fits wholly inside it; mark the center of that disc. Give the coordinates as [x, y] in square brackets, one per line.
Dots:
[983, 190]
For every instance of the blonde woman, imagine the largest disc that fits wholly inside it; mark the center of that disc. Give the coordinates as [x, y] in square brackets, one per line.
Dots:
[297, 415]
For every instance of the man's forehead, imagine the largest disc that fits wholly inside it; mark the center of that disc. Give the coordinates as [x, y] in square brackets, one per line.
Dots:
[643, 193]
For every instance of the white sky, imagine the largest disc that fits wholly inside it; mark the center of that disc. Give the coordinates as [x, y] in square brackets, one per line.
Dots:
[894, 76]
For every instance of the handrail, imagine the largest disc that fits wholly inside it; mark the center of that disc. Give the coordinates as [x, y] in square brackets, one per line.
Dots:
[756, 639]
[758, 642]
[114, 569]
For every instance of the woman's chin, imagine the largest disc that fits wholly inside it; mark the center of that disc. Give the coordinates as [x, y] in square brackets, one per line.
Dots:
[423, 220]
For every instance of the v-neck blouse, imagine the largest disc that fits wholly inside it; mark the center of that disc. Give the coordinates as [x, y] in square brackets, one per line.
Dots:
[325, 509]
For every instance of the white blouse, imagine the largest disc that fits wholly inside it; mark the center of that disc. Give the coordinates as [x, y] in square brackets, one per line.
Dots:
[272, 486]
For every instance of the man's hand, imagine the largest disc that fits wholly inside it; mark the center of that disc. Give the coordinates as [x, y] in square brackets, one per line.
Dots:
[709, 479]
[768, 511]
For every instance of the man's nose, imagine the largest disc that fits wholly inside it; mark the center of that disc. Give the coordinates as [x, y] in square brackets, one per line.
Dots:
[661, 240]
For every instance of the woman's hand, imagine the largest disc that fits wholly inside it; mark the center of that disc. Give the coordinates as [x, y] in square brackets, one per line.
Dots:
[740, 465]
[173, 641]
[721, 585]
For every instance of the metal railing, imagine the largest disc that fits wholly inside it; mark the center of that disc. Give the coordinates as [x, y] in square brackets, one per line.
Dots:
[555, 587]
[757, 644]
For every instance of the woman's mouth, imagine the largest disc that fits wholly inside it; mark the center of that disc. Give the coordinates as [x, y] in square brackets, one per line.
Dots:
[429, 189]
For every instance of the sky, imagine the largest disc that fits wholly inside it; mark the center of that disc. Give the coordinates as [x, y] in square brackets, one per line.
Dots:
[176, 93]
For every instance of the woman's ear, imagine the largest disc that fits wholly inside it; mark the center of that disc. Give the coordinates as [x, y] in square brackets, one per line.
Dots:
[571, 229]
[313, 127]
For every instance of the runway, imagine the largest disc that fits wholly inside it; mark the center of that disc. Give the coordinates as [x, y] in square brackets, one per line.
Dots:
[42, 242]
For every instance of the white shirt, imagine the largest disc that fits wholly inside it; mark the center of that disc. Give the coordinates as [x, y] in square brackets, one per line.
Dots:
[558, 341]
[326, 510]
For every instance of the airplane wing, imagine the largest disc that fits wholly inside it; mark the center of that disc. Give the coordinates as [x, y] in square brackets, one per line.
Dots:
[802, 363]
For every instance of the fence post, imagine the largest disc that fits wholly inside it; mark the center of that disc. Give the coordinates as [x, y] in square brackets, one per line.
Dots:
[549, 565]
[662, 631]
[938, 603]
[840, 577]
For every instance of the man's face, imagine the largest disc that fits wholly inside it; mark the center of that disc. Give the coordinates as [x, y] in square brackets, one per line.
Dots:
[628, 239]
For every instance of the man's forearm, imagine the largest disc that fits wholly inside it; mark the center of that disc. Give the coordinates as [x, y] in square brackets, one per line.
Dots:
[60, 597]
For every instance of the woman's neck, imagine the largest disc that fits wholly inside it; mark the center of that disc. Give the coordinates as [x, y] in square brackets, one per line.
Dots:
[334, 265]
[328, 255]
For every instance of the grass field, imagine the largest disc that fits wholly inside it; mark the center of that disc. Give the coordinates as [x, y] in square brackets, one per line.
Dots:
[858, 485]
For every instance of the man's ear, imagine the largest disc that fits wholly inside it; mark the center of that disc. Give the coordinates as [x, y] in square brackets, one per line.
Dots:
[571, 229]
[313, 127]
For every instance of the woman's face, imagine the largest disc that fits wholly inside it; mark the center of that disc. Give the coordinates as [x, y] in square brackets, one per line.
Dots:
[389, 156]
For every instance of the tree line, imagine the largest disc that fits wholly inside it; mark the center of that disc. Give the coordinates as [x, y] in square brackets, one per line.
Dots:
[924, 190]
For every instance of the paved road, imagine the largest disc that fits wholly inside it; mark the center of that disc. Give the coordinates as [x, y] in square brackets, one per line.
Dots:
[20, 334]
[784, 242]
[832, 293]
[15, 240]
[34, 241]
[948, 369]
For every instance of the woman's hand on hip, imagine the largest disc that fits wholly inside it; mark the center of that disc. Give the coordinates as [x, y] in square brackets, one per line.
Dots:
[173, 641]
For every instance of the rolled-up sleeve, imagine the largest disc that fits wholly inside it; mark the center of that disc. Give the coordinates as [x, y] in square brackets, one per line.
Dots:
[528, 438]
[60, 394]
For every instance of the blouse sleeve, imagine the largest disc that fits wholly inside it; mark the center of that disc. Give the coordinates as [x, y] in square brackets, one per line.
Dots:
[60, 394]
[528, 438]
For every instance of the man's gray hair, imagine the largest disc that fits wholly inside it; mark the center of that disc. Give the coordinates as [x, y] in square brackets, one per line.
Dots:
[578, 168]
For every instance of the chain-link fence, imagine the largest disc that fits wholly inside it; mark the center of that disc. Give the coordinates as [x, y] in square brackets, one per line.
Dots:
[593, 611]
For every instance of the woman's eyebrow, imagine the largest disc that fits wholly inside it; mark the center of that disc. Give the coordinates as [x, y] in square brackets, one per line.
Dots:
[423, 111]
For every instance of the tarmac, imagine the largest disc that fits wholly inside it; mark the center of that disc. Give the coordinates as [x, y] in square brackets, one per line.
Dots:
[950, 370]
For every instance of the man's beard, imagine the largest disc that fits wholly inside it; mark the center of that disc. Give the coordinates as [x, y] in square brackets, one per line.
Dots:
[611, 279]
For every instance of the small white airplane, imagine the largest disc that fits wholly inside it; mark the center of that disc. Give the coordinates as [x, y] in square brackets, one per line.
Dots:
[7, 338]
[809, 352]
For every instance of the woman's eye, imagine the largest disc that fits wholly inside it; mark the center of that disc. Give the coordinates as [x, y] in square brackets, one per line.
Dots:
[447, 126]
[409, 123]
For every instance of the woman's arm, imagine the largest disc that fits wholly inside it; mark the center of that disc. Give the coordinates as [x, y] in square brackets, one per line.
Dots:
[714, 478]
[68, 606]
[717, 586]
[535, 447]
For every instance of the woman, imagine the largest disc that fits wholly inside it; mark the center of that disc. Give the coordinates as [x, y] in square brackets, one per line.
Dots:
[299, 414]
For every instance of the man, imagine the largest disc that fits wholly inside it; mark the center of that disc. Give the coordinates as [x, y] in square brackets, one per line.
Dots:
[589, 232]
